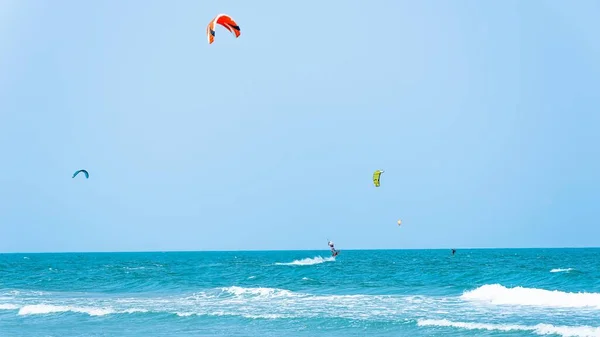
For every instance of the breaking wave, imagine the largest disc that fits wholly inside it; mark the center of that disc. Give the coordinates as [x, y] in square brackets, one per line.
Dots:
[307, 261]
[538, 329]
[498, 294]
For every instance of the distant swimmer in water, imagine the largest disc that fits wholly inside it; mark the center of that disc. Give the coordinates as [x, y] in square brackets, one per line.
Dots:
[333, 251]
[453, 251]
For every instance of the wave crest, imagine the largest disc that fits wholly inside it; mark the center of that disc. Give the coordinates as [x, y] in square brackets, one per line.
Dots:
[498, 294]
[307, 261]
[538, 329]
[258, 292]
[42, 309]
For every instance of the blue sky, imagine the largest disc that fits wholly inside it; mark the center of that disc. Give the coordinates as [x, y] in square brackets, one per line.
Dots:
[483, 114]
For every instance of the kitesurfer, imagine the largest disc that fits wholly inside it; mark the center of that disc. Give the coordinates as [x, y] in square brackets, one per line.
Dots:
[333, 251]
[453, 251]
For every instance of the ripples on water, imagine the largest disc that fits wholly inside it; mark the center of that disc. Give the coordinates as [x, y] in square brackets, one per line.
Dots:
[302, 293]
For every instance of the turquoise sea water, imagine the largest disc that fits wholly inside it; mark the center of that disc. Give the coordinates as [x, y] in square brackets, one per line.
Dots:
[485, 292]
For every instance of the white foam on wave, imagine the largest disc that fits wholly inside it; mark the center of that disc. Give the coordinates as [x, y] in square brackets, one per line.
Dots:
[277, 303]
[43, 309]
[539, 329]
[307, 262]
[251, 303]
[498, 294]
[184, 314]
[46, 309]
[24, 293]
[561, 270]
[134, 310]
[258, 292]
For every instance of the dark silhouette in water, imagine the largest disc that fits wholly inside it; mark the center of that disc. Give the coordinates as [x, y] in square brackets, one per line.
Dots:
[453, 251]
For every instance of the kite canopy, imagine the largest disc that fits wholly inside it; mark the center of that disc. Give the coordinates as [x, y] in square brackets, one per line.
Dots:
[399, 222]
[376, 177]
[225, 21]
[87, 175]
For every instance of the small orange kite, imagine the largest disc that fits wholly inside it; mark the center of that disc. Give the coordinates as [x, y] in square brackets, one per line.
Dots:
[225, 21]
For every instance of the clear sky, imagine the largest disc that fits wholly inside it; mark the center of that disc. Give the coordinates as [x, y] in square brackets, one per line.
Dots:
[485, 116]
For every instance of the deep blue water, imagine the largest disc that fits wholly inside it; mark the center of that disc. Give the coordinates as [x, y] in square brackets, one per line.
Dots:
[486, 292]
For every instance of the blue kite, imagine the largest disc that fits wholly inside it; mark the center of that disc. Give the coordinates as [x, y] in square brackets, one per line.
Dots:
[87, 175]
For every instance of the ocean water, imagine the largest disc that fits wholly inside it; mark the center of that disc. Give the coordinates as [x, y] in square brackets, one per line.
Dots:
[486, 292]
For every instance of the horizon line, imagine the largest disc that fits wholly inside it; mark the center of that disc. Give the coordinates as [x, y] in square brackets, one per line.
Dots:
[287, 250]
